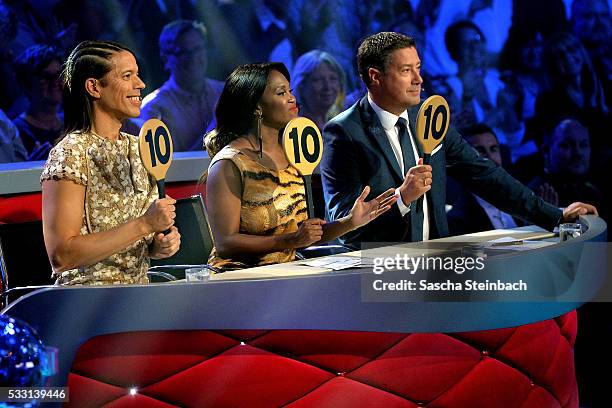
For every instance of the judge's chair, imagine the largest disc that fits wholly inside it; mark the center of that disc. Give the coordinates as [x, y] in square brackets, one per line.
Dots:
[196, 242]
[24, 265]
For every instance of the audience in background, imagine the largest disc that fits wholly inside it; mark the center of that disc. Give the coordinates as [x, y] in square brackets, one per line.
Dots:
[482, 88]
[39, 24]
[475, 85]
[311, 25]
[592, 25]
[246, 31]
[89, 17]
[354, 20]
[491, 17]
[544, 16]
[12, 101]
[482, 95]
[319, 83]
[38, 71]
[521, 60]
[32, 26]
[572, 89]
[567, 154]
[471, 213]
[11, 147]
[186, 101]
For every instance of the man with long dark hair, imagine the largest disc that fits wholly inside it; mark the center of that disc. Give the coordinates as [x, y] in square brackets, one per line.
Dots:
[102, 218]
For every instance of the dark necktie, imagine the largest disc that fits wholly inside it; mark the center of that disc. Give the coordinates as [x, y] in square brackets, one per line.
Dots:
[406, 144]
[416, 217]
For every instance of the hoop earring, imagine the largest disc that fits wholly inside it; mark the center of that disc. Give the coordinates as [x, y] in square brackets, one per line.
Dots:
[259, 117]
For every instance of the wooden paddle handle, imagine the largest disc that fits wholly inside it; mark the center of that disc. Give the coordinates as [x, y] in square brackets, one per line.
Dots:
[426, 161]
[161, 190]
[309, 204]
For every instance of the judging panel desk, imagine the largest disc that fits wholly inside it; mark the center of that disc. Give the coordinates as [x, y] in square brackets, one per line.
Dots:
[293, 296]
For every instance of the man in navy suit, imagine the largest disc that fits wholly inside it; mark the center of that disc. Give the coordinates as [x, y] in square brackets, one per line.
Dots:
[372, 143]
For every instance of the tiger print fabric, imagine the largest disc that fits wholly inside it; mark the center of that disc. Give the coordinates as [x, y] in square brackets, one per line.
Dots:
[272, 202]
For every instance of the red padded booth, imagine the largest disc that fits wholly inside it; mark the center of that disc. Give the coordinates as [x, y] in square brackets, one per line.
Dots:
[526, 366]
[28, 206]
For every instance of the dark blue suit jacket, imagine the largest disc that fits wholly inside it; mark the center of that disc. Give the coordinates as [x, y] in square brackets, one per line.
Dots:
[357, 153]
[468, 216]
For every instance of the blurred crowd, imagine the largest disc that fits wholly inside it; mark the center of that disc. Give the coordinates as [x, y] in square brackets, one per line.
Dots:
[528, 82]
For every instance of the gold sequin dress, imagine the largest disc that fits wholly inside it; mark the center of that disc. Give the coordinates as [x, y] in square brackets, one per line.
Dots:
[118, 189]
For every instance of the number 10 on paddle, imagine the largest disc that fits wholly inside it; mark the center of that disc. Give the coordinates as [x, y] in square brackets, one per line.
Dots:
[431, 127]
[304, 148]
[155, 145]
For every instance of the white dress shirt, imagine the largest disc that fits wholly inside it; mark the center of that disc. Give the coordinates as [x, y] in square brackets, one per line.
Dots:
[389, 122]
[498, 218]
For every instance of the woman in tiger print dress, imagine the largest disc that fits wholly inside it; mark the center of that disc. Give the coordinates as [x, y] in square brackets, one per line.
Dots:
[255, 198]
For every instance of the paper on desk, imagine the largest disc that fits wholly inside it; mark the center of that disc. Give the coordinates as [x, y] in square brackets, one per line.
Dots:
[336, 263]
[509, 243]
[504, 240]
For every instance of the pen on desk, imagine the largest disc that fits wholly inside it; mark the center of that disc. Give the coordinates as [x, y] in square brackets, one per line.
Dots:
[517, 242]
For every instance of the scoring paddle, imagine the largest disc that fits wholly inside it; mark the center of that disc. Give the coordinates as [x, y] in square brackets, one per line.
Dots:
[303, 146]
[432, 124]
[155, 145]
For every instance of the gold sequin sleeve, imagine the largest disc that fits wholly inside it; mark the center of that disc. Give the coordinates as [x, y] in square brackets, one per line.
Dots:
[67, 161]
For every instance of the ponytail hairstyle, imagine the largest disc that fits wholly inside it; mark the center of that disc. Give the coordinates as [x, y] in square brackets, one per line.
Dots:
[89, 59]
